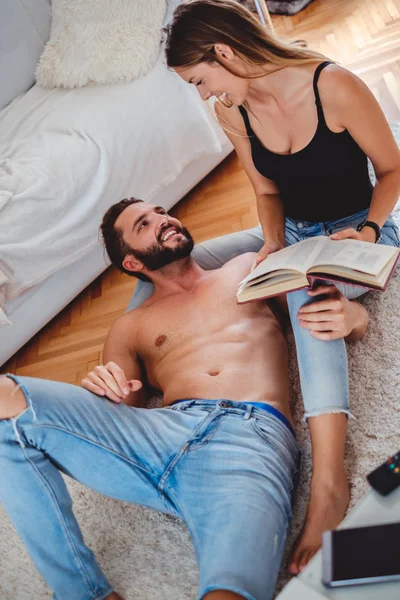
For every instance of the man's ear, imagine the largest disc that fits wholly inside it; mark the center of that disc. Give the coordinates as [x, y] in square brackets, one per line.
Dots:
[224, 52]
[130, 263]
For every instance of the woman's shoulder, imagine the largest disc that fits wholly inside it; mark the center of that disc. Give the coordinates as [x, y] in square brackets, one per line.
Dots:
[338, 86]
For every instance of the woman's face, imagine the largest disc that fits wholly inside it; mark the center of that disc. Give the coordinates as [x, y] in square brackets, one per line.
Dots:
[212, 79]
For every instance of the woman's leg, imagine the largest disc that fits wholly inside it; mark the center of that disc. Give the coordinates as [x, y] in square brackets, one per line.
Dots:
[324, 385]
[214, 253]
[143, 291]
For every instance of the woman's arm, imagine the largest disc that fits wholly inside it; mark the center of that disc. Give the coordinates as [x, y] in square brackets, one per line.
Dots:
[349, 104]
[272, 218]
[269, 204]
[330, 315]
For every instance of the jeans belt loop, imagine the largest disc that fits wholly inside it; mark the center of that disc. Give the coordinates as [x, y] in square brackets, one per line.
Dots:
[247, 414]
[185, 406]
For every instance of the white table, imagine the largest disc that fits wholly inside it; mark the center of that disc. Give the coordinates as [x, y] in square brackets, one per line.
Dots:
[373, 509]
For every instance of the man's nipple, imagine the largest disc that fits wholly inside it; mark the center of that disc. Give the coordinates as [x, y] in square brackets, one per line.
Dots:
[160, 340]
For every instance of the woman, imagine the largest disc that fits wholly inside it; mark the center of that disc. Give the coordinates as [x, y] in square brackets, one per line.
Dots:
[303, 128]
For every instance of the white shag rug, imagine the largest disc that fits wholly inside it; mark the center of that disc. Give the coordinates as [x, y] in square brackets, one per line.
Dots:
[149, 556]
[100, 42]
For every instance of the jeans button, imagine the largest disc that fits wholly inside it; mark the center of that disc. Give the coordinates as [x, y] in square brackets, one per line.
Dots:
[300, 225]
[223, 404]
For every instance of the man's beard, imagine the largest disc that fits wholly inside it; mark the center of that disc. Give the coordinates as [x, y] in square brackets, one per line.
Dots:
[159, 256]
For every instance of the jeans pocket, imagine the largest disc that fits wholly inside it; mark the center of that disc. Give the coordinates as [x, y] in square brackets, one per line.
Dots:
[286, 451]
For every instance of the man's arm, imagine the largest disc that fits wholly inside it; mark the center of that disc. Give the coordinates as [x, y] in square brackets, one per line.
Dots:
[120, 378]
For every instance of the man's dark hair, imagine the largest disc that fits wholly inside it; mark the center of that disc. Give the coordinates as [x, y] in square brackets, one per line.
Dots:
[114, 243]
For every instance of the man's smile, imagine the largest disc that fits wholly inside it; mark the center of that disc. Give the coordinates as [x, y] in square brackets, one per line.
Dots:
[169, 233]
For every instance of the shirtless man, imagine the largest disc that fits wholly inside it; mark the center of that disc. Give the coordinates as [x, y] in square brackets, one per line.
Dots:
[221, 453]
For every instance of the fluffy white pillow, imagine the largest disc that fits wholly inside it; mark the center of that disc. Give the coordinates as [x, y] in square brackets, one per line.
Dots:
[100, 41]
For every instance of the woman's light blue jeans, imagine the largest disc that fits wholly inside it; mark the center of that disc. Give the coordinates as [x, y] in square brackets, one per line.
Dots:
[323, 365]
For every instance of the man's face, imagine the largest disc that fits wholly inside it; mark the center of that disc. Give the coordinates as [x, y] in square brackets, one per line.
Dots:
[155, 238]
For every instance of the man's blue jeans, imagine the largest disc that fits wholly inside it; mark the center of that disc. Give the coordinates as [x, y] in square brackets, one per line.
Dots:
[322, 364]
[227, 468]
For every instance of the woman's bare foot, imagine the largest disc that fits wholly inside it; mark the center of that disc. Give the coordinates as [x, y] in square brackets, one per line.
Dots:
[327, 507]
[113, 596]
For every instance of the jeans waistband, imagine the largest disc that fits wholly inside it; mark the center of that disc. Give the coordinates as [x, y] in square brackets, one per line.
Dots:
[356, 217]
[235, 404]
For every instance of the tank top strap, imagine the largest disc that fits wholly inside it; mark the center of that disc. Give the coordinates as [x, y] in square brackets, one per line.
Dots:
[316, 92]
[245, 118]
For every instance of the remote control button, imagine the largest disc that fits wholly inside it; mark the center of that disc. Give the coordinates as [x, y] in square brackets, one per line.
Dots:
[397, 470]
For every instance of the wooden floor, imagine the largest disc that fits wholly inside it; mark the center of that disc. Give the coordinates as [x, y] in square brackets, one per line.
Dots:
[364, 36]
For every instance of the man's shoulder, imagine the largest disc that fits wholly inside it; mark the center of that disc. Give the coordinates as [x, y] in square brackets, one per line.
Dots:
[242, 261]
[125, 325]
[237, 268]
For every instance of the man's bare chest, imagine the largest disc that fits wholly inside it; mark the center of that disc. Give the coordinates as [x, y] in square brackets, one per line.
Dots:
[187, 321]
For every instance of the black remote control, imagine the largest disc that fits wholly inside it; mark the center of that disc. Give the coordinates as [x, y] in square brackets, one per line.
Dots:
[386, 478]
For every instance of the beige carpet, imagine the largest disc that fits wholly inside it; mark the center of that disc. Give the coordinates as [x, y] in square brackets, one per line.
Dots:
[149, 556]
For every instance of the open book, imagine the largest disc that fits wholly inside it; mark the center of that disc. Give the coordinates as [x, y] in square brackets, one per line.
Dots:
[297, 266]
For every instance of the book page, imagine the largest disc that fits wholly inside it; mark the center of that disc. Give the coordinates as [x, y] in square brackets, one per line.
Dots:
[354, 254]
[298, 257]
[304, 253]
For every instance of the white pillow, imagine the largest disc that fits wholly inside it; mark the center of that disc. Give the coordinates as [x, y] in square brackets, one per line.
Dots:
[100, 41]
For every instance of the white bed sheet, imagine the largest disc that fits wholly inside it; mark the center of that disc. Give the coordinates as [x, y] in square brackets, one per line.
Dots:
[67, 155]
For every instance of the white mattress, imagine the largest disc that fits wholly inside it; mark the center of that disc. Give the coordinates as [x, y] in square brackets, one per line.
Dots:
[30, 311]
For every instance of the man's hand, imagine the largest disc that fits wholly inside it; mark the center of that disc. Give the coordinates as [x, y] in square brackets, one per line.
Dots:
[268, 248]
[333, 317]
[109, 380]
[367, 234]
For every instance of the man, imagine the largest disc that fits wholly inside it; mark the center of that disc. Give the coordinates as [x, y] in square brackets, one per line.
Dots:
[221, 454]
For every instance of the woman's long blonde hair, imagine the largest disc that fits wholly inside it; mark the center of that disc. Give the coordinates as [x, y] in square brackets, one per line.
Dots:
[197, 25]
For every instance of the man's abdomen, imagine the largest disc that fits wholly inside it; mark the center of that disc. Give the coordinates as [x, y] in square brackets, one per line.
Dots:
[244, 366]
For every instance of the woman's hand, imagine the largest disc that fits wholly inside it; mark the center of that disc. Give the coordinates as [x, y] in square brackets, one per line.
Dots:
[109, 380]
[268, 248]
[333, 317]
[367, 234]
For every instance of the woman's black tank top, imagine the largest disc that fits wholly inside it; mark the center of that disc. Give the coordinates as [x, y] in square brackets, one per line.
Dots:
[325, 181]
